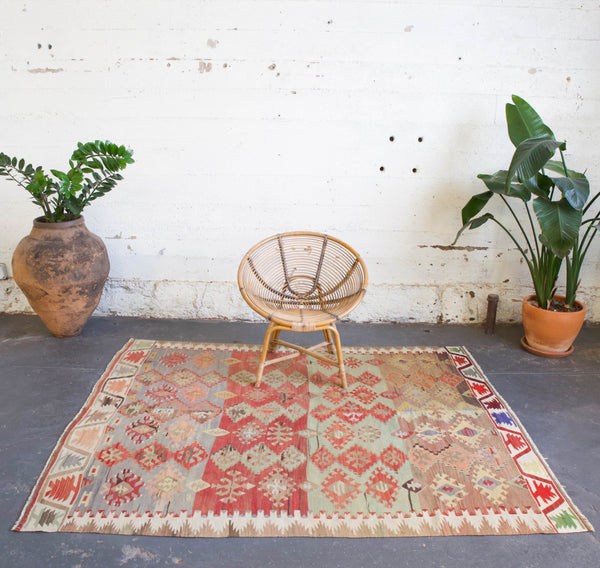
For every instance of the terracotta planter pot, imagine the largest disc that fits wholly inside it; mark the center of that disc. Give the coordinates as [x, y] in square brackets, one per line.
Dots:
[61, 268]
[548, 333]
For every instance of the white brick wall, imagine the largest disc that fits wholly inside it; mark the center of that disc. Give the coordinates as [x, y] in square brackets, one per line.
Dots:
[254, 117]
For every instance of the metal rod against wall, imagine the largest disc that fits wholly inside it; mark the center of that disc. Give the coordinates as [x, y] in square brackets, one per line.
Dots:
[492, 308]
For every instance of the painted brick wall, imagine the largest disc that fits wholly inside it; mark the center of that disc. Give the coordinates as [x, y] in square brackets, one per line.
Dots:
[368, 120]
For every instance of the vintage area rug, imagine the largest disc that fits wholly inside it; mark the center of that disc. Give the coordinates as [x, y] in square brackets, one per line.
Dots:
[175, 440]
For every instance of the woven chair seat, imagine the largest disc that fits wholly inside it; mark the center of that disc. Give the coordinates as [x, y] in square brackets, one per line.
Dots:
[302, 281]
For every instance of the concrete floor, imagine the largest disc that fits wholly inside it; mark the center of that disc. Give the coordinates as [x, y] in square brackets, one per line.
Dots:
[44, 381]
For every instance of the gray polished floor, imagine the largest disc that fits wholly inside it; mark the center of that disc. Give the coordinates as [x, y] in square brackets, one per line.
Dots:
[44, 382]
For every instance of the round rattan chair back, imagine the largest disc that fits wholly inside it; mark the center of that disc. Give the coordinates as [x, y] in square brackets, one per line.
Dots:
[302, 280]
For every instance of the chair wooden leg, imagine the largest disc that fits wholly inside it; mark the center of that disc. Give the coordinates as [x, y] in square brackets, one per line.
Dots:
[329, 339]
[272, 342]
[340, 358]
[263, 356]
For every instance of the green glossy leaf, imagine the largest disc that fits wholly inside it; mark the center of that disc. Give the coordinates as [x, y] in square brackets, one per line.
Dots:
[559, 223]
[38, 183]
[523, 122]
[475, 205]
[530, 157]
[93, 173]
[60, 175]
[473, 224]
[575, 190]
[557, 166]
[76, 178]
[74, 205]
[497, 183]
[539, 185]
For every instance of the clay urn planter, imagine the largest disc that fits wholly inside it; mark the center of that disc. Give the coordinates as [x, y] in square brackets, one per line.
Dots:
[61, 268]
[550, 333]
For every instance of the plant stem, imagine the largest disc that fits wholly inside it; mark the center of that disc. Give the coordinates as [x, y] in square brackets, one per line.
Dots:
[522, 230]
[562, 158]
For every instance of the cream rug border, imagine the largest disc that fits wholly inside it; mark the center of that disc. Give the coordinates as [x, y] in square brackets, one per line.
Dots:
[427, 523]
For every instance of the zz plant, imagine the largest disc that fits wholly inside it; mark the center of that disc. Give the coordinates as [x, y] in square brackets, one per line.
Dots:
[94, 171]
[552, 217]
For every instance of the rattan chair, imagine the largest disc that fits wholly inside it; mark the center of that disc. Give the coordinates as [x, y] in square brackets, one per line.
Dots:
[302, 281]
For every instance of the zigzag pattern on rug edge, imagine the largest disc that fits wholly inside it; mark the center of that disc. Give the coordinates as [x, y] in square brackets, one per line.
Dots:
[175, 440]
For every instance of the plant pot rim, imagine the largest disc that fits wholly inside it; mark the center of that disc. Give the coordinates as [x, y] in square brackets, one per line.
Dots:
[41, 222]
[532, 301]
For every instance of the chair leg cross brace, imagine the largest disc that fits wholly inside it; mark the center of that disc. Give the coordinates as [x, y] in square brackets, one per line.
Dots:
[332, 338]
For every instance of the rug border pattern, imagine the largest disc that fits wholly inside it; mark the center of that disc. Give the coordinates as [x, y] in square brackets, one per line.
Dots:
[558, 514]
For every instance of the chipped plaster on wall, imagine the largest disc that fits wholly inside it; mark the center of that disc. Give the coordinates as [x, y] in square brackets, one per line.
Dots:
[383, 303]
[365, 120]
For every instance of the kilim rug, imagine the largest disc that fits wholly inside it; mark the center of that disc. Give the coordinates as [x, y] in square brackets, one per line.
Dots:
[175, 440]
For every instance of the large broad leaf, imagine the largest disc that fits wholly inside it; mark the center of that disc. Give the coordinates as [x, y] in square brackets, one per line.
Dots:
[559, 168]
[497, 183]
[523, 122]
[539, 185]
[559, 223]
[475, 205]
[473, 224]
[530, 157]
[575, 190]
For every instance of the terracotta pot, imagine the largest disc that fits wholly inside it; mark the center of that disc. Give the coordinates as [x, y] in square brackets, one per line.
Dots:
[61, 268]
[549, 333]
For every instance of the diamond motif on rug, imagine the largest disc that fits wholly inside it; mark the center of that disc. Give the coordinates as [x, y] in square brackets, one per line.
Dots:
[250, 432]
[393, 458]
[322, 458]
[193, 394]
[292, 458]
[448, 489]
[166, 483]
[176, 440]
[190, 456]
[279, 434]
[239, 411]
[340, 488]
[212, 378]
[259, 458]
[150, 377]
[277, 486]
[226, 457]
[352, 413]
[123, 488]
[152, 455]
[357, 459]
[181, 378]
[140, 430]
[338, 434]
[383, 487]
